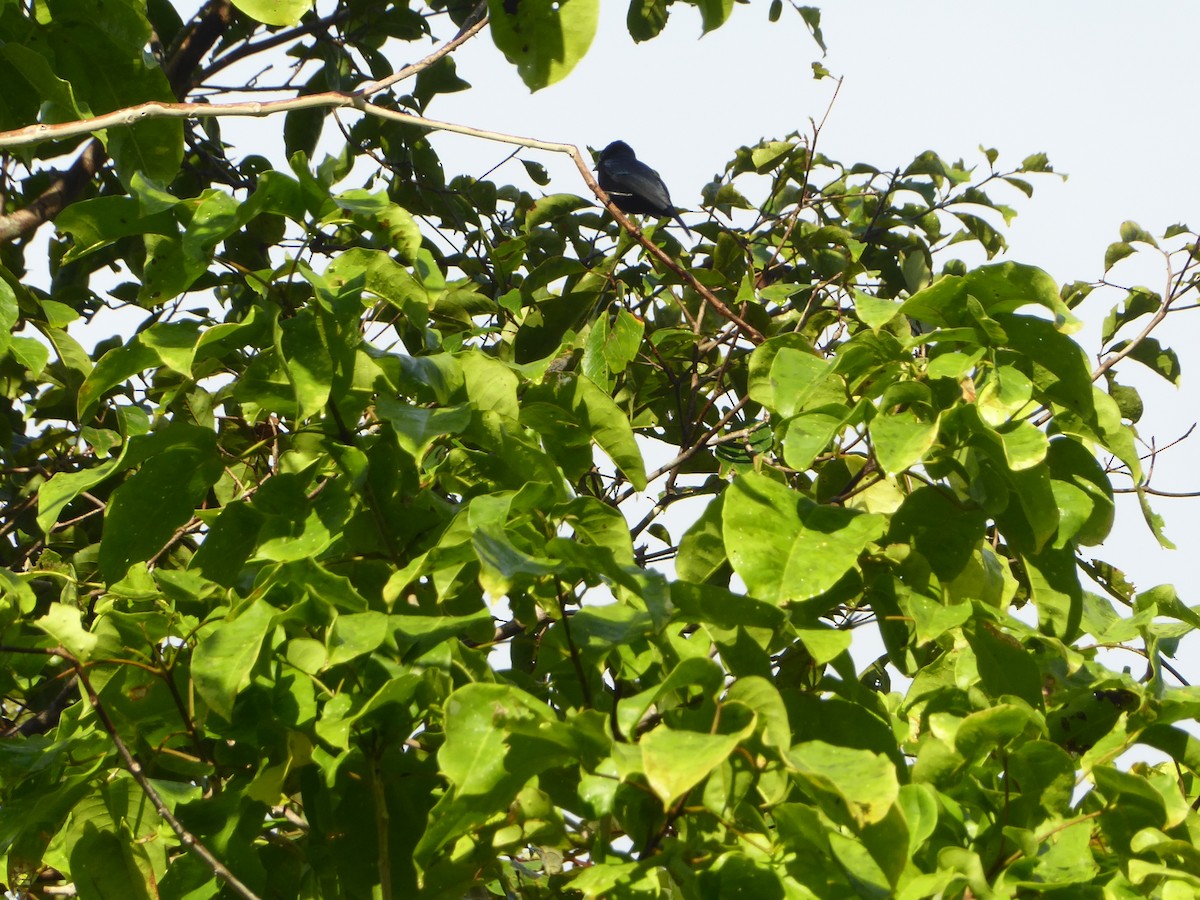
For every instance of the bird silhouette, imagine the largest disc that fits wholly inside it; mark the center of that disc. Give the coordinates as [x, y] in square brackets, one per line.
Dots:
[633, 186]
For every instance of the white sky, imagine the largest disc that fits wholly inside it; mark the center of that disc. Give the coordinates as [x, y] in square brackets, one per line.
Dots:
[1104, 89]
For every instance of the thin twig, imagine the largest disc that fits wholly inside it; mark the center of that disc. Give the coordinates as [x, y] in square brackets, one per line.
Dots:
[573, 651]
[275, 40]
[1145, 332]
[474, 23]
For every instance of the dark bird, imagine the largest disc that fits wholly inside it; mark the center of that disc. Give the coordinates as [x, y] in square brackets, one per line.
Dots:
[633, 186]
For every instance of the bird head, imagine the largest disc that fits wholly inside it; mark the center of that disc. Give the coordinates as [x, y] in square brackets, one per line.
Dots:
[614, 150]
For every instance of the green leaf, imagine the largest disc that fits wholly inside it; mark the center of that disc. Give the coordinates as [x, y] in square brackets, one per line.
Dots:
[809, 434]
[229, 542]
[1117, 252]
[646, 19]
[675, 761]
[944, 530]
[497, 738]
[474, 754]
[763, 697]
[418, 428]
[66, 486]
[307, 362]
[154, 148]
[761, 379]
[1054, 586]
[875, 312]
[736, 874]
[714, 13]
[275, 12]
[865, 782]
[502, 562]
[98, 222]
[1138, 302]
[355, 634]
[544, 39]
[1131, 231]
[995, 728]
[64, 624]
[225, 655]
[1047, 780]
[1072, 465]
[30, 353]
[1163, 600]
[162, 496]
[702, 549]
[859, 865]
[594, 413]
[824, 644]
[1025, 445]
[919, 804]
[1004, 665]
[112, 864]
[1060, 370]
[1154, 520]
[887, 841]
[553, 206]
[932, 619]
[1005, 395]
[625, 339]
[784, 546]
[811, 16]
[700, 672]
[1150, 353]
[1033, 520]
[16, 597]
[901, 440]
[391, 222]
[801, 381]
[114, 368]
[1002, 288]
[595, 522]
[167, 273]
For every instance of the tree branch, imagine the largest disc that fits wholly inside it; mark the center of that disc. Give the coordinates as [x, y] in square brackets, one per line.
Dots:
[62, 191]
[185, 56]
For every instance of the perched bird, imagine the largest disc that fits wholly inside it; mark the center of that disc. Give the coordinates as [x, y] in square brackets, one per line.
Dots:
[633, 186]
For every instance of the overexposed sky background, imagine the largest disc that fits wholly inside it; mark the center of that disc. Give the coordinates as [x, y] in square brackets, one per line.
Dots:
[1104, 89]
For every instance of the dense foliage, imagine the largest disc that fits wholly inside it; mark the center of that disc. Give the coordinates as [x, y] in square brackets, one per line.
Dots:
[341, 573]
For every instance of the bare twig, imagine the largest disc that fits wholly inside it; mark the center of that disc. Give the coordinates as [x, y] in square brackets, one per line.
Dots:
[1172, 294]
[472, 26]
[275, 40]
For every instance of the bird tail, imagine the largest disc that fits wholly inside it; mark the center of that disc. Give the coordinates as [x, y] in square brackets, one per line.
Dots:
[681, 225]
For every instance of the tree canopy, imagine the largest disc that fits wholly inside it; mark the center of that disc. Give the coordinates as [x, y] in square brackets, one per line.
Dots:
[432, 536]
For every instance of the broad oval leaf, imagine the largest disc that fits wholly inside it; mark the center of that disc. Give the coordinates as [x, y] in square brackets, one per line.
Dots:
[784, 546]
